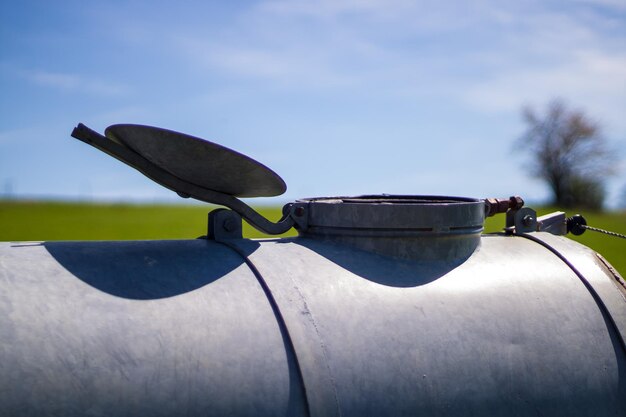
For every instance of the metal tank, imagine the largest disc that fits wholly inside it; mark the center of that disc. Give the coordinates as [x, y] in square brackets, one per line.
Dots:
[382, 306]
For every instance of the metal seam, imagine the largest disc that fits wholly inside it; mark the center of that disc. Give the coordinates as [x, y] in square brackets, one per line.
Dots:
[605, 311]
[322, 345]
[620, 281]
[279, 317]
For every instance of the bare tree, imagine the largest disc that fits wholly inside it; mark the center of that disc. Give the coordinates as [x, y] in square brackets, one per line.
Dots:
[622, 200]
[568, 151]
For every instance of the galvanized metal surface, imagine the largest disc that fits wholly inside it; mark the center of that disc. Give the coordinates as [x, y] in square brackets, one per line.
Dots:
[593, 273]
[307, 327]
[139, 329]
[498, 336]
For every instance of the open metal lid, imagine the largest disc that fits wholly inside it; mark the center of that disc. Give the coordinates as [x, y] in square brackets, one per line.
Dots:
[198, 161]
[199, 169]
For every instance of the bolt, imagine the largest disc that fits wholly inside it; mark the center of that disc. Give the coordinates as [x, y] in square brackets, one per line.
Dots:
[528, 220]
[229, 225]
[287, 209]
[501, 205]
[516, 202]
[299, 211]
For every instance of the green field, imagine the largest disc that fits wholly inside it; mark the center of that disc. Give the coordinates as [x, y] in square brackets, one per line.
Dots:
[37, 220]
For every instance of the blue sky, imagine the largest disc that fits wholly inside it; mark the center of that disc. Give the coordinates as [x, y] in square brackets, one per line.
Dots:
[338, 97]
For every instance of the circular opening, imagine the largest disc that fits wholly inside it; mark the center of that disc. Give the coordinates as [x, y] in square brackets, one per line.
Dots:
[405, 226]
[393, 199]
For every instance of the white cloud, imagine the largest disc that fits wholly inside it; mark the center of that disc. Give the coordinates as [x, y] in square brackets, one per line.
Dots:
[386, 43]
[615, 4]
[375, 64]
[588, 75]
[76, 83]
[399, 15]
[334, 9]
[285, 66]
[488, 55]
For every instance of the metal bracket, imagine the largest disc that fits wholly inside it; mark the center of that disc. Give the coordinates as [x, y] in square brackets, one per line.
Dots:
[554, 223]
[523, 220]
[224, 225]
[299, 214]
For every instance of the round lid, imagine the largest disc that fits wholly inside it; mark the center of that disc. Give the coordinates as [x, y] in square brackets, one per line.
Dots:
[199, 161]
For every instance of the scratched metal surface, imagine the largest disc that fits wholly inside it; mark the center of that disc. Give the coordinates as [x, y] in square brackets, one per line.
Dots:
[189, 328]
[139, 329]
[510, 332]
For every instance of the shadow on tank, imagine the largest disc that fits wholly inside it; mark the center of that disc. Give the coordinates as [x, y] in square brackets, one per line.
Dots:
[381, 269]
[145, 270]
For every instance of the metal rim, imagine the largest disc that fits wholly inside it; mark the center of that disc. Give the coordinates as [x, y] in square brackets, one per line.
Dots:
[394, 214]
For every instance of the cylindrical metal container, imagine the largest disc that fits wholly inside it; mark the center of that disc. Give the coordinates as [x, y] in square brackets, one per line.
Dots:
[385, 306]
